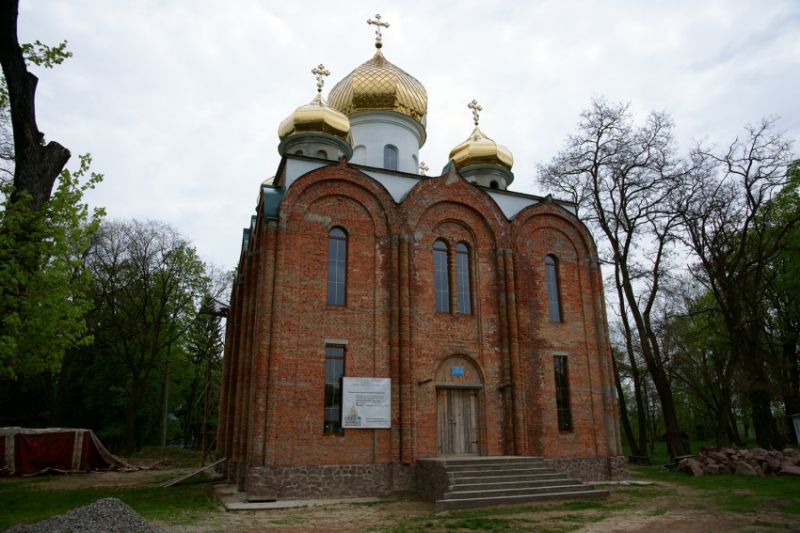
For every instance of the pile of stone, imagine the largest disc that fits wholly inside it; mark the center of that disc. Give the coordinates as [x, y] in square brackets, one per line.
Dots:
[750, 462]
[108, 515]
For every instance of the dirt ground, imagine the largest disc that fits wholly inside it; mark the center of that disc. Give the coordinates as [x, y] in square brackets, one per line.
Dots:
[660, 507]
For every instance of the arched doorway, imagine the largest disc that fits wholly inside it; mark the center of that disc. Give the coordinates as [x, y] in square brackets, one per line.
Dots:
[459, 384]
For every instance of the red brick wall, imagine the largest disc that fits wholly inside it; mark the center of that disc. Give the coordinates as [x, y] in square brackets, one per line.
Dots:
[272, 396]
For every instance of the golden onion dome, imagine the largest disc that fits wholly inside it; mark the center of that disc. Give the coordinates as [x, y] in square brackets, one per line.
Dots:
[316, 116]
[380, 85]
[479, 149]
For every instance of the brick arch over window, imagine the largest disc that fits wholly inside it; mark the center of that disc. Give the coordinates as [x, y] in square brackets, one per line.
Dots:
[458, 369]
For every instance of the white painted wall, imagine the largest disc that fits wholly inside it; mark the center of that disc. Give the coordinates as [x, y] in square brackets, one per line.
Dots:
[375, 129]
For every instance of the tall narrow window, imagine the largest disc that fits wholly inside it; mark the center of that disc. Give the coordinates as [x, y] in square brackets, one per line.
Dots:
[390, 157]
[462, 279]
[337, 266]
[334, 370]
[562, 393]
[553, 292]
[441, 280]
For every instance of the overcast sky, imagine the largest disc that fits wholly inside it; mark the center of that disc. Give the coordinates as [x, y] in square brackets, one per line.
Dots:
[179, 101]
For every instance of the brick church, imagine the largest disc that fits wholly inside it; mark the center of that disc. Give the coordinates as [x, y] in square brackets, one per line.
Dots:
[381, 317]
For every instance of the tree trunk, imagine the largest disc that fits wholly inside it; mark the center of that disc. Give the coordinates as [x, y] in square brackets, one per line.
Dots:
[204, 426]
[623, 412]
[131, 412]
[791, 387]
[636, 376]
[165, 402]
[723, 419]
[757, 384]
[36, 165]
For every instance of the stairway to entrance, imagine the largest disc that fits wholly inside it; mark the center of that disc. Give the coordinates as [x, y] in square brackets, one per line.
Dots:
[461, 483]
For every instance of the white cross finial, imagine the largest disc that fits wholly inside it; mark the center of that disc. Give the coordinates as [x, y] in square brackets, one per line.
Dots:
[476, 109]
[378, 25]
[423, 168]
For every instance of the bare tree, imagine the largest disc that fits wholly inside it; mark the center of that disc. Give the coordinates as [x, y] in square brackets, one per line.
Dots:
[727, 208]
[622, 177]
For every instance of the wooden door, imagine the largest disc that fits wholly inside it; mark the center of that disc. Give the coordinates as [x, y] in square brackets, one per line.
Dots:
[457, 421]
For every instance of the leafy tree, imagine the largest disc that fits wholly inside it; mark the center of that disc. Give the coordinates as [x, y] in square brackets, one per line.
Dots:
[783, 294]
[43, 308]
[148, 282]
[42, 238]
[728, 212]
[704, 364]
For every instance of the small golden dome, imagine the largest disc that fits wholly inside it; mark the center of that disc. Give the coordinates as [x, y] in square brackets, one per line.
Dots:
[479, 149]
[380, 85]
[316, 116]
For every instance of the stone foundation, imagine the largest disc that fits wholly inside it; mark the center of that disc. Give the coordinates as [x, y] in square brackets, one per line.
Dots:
[328, 481]
[427, 479]
[432, 480]
[590, 468]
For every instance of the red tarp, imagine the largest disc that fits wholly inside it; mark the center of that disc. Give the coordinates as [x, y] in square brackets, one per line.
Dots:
[34, 451]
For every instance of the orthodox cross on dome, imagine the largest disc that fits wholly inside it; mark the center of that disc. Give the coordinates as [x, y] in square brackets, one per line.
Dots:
[378, 25]
[423, 168]
[320, 72]
[476, 109]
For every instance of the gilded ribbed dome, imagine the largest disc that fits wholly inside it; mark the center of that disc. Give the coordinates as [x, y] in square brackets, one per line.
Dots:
[380, 85]
[479, 149]
[316, 116]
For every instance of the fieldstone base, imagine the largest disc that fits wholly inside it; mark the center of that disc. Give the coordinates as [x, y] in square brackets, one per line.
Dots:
[328, 481]
[591, 468]
[432, 479]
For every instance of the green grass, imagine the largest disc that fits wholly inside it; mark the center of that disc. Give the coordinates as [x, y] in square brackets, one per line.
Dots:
[171, 456]
[735, 492]
[29, 500]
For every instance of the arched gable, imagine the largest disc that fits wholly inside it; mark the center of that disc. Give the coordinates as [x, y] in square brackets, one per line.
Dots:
[340, 180]
[550, 214]
[451, 189]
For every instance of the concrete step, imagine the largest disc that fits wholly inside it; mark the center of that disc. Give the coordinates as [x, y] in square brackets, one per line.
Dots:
[497, 492]
[509, 467]
[490, 477]
[517, 484]
[492, 460]
[467, 503]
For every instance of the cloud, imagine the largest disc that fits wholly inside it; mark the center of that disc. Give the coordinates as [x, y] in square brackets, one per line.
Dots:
[179, 101]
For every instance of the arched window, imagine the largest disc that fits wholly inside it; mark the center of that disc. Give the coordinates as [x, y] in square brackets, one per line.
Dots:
[298, 152]
[462, 279]
[441, 280]
[553, 292]
[390, 157]
[337, 266]
[359, 154]
[494, 185]
[322, 154]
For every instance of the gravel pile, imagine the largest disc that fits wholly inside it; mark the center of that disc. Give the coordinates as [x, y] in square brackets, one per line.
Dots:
[108, 515]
